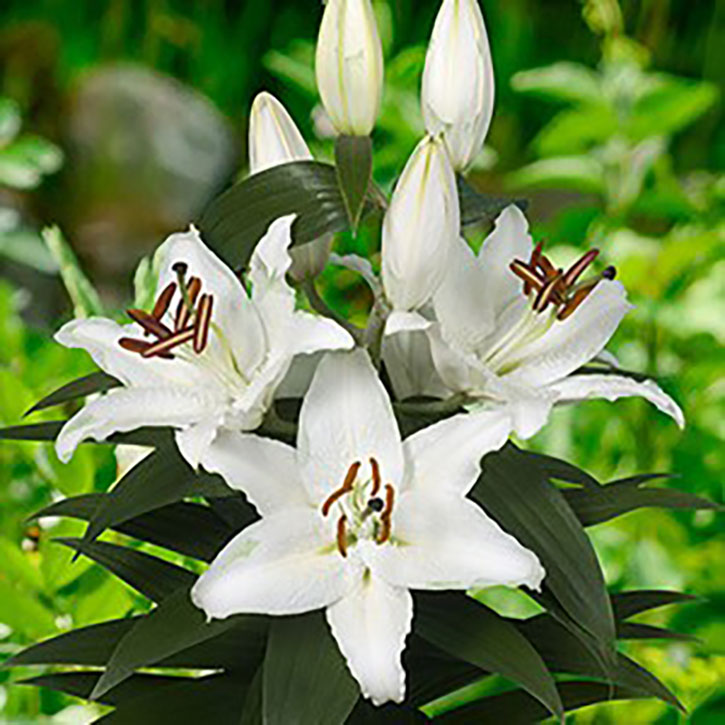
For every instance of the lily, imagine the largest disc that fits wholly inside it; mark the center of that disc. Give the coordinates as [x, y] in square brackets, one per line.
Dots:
[511, 331]
[354, 518]
[208, 356]
[458, 49]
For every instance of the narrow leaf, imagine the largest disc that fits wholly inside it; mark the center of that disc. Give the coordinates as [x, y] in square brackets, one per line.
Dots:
[367, 714]
[472, 632]
[556, 468]
[635, 630]
[477, 207]
[94, 383]
[305, 678]
[354, 165]
[627, 604]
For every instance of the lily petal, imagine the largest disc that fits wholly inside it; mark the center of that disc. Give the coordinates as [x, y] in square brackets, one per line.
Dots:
[410, 366]
[612, 387]
[124, 409]
[311, 333]
[445, 457]
[446, 542]
[194, 440]
[283, 564]
[346, 417]
[370, 625]
[264, 469]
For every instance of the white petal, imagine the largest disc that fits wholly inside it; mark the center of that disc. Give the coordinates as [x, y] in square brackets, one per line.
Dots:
[270, 260]
[283, 564]
[310, 333]
[399, 322]
[124, 409]
[446, 542]
[273, 136]
[612, 387]
[346, 417]
[461, 371]
[193, 441]
[233, 312]
[445, 457]
[370, 625]
[264, 469]
[569, 344]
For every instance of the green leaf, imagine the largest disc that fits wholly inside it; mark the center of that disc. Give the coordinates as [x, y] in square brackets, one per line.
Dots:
[580, 173]
[305, 678]
[556, 468]
[26, 246]
[187, 528]
[635, 630]
[472, 632]
[368, 714]
[10, 120]
[235, 221]
[576, 130]
[153, 577]
[515, 492]
[627, 604]
[593, 506]
[48, 431]
[252, 710]
[81, 387]
[174, 626]
[563, 81]
[354, 165]
[479, 208]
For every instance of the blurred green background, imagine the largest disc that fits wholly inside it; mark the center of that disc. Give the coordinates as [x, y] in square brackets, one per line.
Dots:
[120, 119]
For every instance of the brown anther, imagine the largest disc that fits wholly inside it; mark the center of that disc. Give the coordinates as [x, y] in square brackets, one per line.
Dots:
[376, 476]
[202, 323]
[576, 269]
[169, 343]
[536, 255]
[546, 294]
[150, 323]
[389, 500]
[345, 488]
[546, 267]
[386, 514]
[164, 300]
[140, 346]
[575, 300]
[183, 311]
[342, 535]
[530, 278]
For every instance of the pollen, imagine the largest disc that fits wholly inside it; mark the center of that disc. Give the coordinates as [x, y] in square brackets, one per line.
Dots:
[169, 343]
[202, 322]
[164, 300]
[386, 515]
[342, 535]
[376, 476]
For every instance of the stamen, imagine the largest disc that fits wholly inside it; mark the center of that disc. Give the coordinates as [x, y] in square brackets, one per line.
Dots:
[385, 516]
[140, 346]
[610, 272]
[546, 267]
[546, 293]
[202, 322]
[186, 303]
[164, 300]
[576, 269]
[536, 255]
[342, 535]
[168, 343]
[376, 477]
[575, 300]
[345, 488]
[150, 323]
[529, 277]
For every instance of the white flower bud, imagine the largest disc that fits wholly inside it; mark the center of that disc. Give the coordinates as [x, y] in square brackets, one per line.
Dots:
[458, 85]
[273, 136]
[420, 226]
[349, 66]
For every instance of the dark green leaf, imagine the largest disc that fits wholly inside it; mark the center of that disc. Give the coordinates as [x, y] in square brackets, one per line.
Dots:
[153, 577]
[477, 207]
[367, 714]
[627, 604]
[305, 678]
[634, 630]
[354, 164]
[519, 496]
[474, 633]
[252, 709]
[556, 468]
[93, 383]
[597, 370]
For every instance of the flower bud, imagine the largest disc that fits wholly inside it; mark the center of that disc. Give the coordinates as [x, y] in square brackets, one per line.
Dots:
[458, 85]
[420, 226]
[349, 66]
[273, 137]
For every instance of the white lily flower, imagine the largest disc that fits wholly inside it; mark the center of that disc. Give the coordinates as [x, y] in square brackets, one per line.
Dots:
[520, 348]
[203, 366]
[420, 228]
[349, 66]
[458, 84]
[354, 518]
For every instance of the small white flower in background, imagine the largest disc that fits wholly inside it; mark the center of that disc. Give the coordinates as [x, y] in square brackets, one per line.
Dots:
[349, 66]
[458, 84]
[354, 518]
[511, 329]
[420, 228]
[208, 356]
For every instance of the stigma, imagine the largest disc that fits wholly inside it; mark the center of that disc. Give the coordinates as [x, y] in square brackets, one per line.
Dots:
[553, 286]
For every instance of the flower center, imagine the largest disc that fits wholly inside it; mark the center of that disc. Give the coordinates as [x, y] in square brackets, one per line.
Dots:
[363, 513]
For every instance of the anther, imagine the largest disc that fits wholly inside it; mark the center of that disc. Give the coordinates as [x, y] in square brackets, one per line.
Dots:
[342, 535]
[186, 303]
[610, 272]
[376, 504]
[150, 323]
[385, 516]
[546, 293]
[536, 255]
[164, 300]
[202, 322]
[575, 300]
[168, 343]
[140, 346]
[576, 269]
[345, 488]
[529, 277]
[546, 267]
[376, 476]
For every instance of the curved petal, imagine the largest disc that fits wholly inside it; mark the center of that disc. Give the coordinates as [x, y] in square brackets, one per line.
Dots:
[370, 625]
[346, 417]
[310, 333]
[283, 564]
[445, 542]
[123, 409]
[193, 441]
[409, 363]
[264, 469]
[234, 315]
[571, 343]
[611, 387]
[445, 457]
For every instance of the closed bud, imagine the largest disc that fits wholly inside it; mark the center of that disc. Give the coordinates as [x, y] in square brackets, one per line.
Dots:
[420, 227]
[458, 85]
[349, 66]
